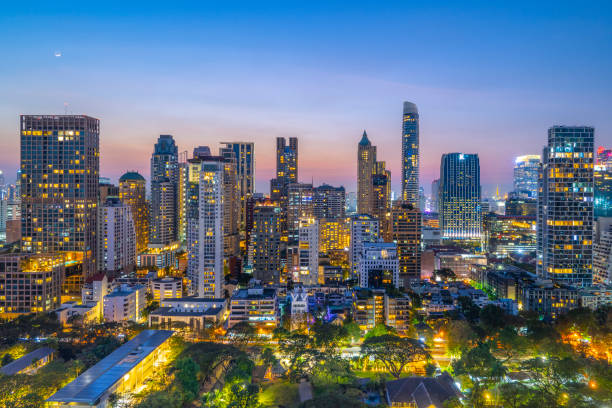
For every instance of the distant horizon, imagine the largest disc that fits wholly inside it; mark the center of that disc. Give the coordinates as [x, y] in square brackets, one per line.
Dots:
[486, 79]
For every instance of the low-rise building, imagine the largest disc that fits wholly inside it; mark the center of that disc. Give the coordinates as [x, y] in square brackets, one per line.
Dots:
[122, 371]
[595, 297]
[159, 256]
[124, 303]
[459, 263]
[255, 305]
[421, 392]
[87, 312]
[378, 265]
[30, 363]
[167, 287]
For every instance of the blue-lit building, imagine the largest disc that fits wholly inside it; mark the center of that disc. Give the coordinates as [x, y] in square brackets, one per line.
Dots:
[526, 173]
[602, 181]
[410, 154]
[459, 197]
[565, 206]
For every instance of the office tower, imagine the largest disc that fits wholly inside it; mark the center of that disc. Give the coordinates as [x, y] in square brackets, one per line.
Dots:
[364, 228]
[334, 235]
[604, 157]
[132, 191]
[405, 223]
[410, 154]
[2, 184]
[116, 236]
[299, 205]
[208, 279]
[107, 189]
[181, 200]
[366, 167]
[287, 160]
[245, 166]
[59, 186]
[459, 202]
[435, 190]
[423, 200]
[308, 252]
[329, 202]
[526, 174]
[602, 257]
[192, 219]
[265, 243]
[381, 201]
[164, 190]
[379, 266]
[231, 204]
[602, 180]
[30, 283]
[565, 206]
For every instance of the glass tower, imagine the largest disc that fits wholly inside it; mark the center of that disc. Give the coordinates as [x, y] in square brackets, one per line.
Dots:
[526, 173]
[410, 154]
[459, 196]
[164, 192]
[565, 206]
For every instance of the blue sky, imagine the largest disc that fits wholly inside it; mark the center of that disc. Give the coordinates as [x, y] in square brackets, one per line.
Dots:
[487, 79]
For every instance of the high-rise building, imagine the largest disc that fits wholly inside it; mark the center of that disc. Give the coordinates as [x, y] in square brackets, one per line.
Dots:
[308, 252]
[379, 266]
[265, 243]
[435, 191]
[30, 283]
[526, 174]
[381, 200]
[299, 205]
[209, 277]
[181, 199]
[286, 167]
[245, 166]
[231, 203]
[364, 228]
[602, 257]
[565, 206]
[366, 167]
[602, 180]
[59, 186]
[524, 207]
[163, 228]
[334, 235]
[604, 157]
[459, 197]
[405, 220]
[132, 191]
[107, 189]
[329, 202]
[116, 236]
[410, 154]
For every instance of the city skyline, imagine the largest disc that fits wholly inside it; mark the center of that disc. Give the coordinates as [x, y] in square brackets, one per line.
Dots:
[328, 98]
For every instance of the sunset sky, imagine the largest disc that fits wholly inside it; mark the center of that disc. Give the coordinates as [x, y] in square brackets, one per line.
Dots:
[486, 80]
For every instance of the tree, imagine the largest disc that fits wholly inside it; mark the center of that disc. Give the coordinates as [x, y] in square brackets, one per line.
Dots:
[379, 330]
[332, 370]
[268, 357]
[445, 274]
[394, 352]
[328, 336]
[6, 359]
[244, 396]
[491, 318]
[299, 355]
[241, 333]
[187, 372]
[353, 330]
[480, 365]
[460, 337]
[468, 308]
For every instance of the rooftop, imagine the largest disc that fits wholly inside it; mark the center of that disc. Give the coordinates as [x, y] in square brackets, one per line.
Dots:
[26, 361]
[90, 386]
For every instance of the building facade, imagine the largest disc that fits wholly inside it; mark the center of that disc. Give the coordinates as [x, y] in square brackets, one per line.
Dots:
[565, 206]
[379, 266]
[405, 221]
[329, 202]
[132, 192]
[308, 252]
[366, 167]
[526, 174]
[265, 245]
[116, 237]
[410, 154]
[163, 227]
[459, 197]
[364, 229]
[60, 163]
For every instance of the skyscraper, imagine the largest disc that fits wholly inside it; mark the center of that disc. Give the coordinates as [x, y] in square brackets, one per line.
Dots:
[231, 203]
[364, 228]
[435, 191]
[410, 154]
[381, 200]
[59, 186]
[164, 192]
[366, 167]
[286, 167]
[265, 245]
[406, 233]
[526, 170]
[308, 252]
[116, 236]
[602, 177]
[565, 206]
[299, 205]
[209, 277]
[132, 191]
[459, 197]
[329, 202]
[245, 166]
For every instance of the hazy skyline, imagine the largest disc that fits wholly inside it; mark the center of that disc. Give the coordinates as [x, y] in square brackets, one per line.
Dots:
[486, 80]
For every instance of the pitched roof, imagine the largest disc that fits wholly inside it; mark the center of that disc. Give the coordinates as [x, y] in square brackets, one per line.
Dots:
[423, 391]
[364, 139]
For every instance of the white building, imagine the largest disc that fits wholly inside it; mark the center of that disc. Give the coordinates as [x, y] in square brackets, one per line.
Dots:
[167, 287]
[308, 252]
[255, 305]
[379, 265]
[93, 292]
[125, 303]
[364, 228]
[116, 236]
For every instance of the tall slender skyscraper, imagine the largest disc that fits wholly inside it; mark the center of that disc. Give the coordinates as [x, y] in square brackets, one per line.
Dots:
[565, 206]
[459, 192]
[410, 154]
[245, 166]
[164, 192]
[59, 186]
[406, 233]
[265, 245]
[526, 170]
[132, 191]
[366, 167]
[116, 236]
[231, 203]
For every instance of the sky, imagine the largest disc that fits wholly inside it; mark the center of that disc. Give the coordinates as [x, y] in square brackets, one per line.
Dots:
[487, 78]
